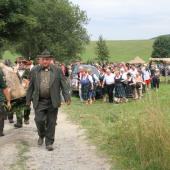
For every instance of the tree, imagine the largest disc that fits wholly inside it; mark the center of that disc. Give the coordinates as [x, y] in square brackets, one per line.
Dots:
[161, 47]
[60, 28]
[101, 50]
[14, 18]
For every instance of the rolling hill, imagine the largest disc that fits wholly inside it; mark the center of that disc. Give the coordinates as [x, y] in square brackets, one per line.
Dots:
[119, 50]
[123, 50]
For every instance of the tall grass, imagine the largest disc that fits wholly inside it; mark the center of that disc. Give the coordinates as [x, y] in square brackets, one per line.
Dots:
[145, 136]
[134, 135]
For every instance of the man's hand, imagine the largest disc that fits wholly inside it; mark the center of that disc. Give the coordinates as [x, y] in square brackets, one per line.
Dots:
[68, 102]
[75, 87]
[28, 103]
[9, 105]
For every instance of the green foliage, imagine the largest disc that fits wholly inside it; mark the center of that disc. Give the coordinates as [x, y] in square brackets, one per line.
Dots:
[60, 28]
[133, 135]
[102, 50]
[18, 106]
[161, 47]
[15, 18]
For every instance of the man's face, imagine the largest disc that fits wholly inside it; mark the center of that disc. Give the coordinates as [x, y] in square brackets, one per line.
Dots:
[52, 62]
[45, 61]
[81, 70]
[21, 64]
[133, 68]
[108, 73]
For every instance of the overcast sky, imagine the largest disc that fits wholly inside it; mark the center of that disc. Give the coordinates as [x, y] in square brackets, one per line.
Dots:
[126, 19]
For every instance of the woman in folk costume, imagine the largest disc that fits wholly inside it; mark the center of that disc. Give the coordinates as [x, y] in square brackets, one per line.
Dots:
[119, 88]
[86, 86]
[102, 91]
[93, 92]
[129, 87]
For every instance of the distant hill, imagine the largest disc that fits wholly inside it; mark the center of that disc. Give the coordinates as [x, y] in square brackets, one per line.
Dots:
[157, 37]
[119, 50]
[123, 50]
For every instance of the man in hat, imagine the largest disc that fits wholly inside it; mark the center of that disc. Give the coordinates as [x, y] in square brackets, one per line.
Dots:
[46, 81]
[22, 73]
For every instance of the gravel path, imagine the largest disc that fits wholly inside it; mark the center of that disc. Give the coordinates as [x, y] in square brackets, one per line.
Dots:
[19, 149]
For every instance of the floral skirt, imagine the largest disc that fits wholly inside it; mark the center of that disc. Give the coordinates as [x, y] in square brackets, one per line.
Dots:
[119, 90]
[85, 89]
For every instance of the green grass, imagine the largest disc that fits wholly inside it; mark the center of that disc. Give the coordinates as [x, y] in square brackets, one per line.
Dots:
[9, 55]
[119, 50]
[134, 135]
[20, 163]
[123, 50]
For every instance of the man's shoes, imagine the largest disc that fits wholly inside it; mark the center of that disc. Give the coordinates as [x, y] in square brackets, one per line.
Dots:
[49, 148]
[40, 141]
[18, 125]
[26, 122]
[11, 121]
[2, 134]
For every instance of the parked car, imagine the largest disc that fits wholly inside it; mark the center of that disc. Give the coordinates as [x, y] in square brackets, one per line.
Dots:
[74, 76]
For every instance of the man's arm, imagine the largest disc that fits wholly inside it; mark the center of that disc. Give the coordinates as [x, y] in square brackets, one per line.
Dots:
[30, 90]
[6, 94]
[64, 87]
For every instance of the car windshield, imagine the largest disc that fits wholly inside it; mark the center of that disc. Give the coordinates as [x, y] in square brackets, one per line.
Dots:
[94, 69]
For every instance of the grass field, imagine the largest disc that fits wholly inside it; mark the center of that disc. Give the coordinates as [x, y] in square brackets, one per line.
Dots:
[123, 50]
[134, 135]
[119, 50]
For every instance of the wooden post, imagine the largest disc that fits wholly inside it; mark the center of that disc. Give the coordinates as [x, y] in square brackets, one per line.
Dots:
[166, 73]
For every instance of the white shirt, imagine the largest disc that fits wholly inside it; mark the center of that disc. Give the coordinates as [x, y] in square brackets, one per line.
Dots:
[124, 75]
[147, 75]
[109, 79]
[133, 73]
[20, 72]
[89, 77]
[95, 77]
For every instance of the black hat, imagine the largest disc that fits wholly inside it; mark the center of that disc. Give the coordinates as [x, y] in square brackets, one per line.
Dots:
[45, 53]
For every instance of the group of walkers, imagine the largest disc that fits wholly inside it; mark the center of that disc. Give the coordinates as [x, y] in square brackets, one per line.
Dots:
[122, 81]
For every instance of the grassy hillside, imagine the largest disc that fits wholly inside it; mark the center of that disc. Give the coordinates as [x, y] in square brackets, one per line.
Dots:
[9, 55]
[119, 50]
[123, 50]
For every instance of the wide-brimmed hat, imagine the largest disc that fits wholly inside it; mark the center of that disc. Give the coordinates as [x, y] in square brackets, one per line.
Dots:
[20, 59]
[7, 62]
[45, 53]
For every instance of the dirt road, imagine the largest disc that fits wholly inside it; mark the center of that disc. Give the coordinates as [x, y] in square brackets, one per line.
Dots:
[19, 149]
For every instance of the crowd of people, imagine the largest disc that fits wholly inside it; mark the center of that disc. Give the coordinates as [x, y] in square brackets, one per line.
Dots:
[121, 80]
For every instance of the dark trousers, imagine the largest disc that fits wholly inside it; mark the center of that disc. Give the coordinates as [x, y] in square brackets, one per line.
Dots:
[19, 117]
[152, 83]
[110, 92]
[46, 111]
[156, 82]
[1, 116]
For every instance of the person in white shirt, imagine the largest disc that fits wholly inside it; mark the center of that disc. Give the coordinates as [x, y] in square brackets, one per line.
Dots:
[147, 76]
[123, 74]
[109, 80]
[93, 92]
[78, 84]
[133, 72]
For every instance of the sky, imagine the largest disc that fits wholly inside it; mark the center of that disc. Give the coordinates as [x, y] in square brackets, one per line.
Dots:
[126, 19]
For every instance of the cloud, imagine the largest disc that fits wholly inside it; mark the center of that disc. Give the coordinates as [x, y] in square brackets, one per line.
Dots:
[126, 19]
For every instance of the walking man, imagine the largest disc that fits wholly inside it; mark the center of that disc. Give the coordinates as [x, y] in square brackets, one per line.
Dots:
[46, 81]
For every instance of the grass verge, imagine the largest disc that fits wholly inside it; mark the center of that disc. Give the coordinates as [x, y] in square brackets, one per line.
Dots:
[22, 148]
[135, 135]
